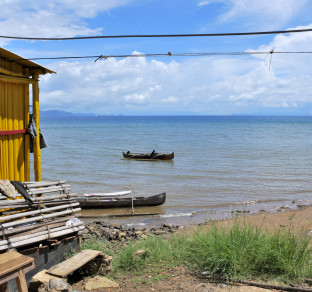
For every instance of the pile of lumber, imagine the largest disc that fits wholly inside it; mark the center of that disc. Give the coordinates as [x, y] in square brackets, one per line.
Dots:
[50, 216]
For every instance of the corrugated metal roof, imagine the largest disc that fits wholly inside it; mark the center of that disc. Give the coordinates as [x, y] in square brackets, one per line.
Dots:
[5, 54]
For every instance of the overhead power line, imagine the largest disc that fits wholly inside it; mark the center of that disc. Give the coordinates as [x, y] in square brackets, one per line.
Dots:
[160, 35]
[169, 54]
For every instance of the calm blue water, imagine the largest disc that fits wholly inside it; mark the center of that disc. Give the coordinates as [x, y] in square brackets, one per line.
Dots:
[218, 160]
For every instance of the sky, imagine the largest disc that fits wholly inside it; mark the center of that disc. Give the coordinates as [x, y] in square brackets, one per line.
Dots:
[277, 84]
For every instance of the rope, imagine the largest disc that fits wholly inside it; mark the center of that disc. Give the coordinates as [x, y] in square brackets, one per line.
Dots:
[69, 203]
[48, 229]
[271, 59]
[44, 221]
[4, 237]
[64, 188]
[132, 205]
[65, 191]
[71, 208]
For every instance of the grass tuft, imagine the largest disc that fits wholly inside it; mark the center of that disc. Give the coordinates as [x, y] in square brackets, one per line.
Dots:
[239, 251]
[244, 251]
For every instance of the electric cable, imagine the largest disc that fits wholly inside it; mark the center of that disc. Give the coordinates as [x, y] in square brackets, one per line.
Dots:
[158, 35]
[169, 54]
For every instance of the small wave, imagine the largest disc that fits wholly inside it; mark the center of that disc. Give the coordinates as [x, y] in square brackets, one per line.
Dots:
[253, 202]
[135, 224]
[177, 215]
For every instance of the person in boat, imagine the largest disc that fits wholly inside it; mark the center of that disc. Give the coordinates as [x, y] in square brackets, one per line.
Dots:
[128, 152]
[153, 153]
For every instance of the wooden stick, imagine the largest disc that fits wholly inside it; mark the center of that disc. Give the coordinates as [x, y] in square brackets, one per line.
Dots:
[50, 190]
[24, 214]
[3, 197]
[43, 183]
[24, 237]
[29, 228]
[37, 229]
[23, 206]
[41, 217]
[41, 199]
[42, 237]
[58, 187]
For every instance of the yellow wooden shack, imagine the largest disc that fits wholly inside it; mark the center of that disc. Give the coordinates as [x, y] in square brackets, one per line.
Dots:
[16, 76]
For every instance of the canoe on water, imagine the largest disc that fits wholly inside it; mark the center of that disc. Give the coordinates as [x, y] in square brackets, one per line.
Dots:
[114, 202]
[148, 156]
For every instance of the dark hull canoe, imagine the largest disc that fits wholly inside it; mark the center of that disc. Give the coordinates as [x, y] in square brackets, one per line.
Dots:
[148, 156]
[100, 202]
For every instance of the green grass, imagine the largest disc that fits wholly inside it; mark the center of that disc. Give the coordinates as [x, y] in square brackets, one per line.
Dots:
[97, 244]
[241, 251]
[160, 252]
[246, 252]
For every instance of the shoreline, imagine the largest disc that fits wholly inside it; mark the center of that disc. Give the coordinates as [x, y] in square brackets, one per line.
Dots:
[153, 219]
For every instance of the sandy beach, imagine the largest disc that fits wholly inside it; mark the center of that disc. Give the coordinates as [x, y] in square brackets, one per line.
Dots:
[179, 279]
[300, 220]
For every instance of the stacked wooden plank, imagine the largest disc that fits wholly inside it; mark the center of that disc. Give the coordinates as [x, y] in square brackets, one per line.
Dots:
[50, 216]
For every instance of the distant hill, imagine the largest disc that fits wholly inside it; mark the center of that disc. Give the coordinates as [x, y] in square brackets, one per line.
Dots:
[58, 113]
[55, 113]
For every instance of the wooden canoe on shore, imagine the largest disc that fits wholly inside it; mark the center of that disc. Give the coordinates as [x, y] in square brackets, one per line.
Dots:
[148, 156]
[100, 202]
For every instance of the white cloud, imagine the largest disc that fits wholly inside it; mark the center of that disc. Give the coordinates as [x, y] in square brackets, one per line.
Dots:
[282, 9]
[256, 14]
[119, 87]
[291, 64]
[211, 85]
[204, 3]
[55, 18]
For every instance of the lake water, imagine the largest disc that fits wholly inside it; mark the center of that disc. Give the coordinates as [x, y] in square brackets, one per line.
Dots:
[221, 162]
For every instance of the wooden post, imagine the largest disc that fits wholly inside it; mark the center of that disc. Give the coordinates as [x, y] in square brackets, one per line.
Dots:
[21, 282]
[36, 144]
[3, 287]
[26, 137]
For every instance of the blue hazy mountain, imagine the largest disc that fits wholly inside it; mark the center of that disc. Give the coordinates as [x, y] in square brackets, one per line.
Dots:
[55, 113]
[59, 113]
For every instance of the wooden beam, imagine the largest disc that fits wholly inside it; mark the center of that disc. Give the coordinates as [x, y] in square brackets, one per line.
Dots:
[36, 144]
[12, 79]
[12, 73]
[39, 71]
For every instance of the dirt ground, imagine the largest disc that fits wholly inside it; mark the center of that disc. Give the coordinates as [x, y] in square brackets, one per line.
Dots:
[174, 280]
[180, 280]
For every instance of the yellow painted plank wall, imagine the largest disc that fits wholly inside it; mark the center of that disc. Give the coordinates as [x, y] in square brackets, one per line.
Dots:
[14, 115]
